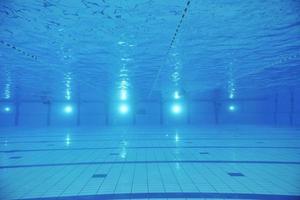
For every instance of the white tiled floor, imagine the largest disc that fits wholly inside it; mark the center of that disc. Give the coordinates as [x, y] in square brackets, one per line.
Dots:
[157, 162]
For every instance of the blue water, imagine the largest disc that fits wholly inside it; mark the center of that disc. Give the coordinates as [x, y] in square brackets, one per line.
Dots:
[149, 99]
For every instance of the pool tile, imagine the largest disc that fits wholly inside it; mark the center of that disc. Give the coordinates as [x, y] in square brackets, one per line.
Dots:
[235, 174]
[99, 175]
[203, 153]
[15, 157]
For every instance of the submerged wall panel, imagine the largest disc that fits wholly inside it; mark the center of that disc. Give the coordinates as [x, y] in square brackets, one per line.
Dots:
[202, 113]
[147, 113]
[32, 114]
[280, 108]
[260, 111]
[92, 114]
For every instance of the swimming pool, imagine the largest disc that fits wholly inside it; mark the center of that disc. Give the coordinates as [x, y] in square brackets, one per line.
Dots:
[149, 99]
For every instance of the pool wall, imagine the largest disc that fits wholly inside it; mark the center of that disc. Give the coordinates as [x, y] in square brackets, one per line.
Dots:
[279, 108]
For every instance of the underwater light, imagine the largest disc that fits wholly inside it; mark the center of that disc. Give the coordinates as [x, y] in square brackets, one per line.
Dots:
[68, 109]
[176, 109]
[176, 95]
[68, 140]
[7, 109]
[123, 108]
[123, 95]
[121, 43]
[176, 137]
[231, 108]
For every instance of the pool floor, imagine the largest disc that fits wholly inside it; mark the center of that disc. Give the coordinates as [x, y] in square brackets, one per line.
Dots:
[244, 162]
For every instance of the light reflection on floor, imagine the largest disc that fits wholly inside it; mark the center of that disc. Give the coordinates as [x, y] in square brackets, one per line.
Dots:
[147, 163]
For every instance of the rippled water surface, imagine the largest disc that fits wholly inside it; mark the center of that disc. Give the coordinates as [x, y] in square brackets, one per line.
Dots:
[66, 48]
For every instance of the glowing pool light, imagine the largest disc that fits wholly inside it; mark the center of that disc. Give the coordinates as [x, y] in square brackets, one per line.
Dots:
[176, 108]
[68, 109]
[123, 95]
[123, 108]
[232, 108]
[7, 109]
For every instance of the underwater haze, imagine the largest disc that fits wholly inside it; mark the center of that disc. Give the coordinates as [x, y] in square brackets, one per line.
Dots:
[149, 99]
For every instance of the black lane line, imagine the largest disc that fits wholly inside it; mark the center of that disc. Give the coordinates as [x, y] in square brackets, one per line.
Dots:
[175, 195]
[148, 147]
[116, 136]
[149, 139]
[149, 162]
